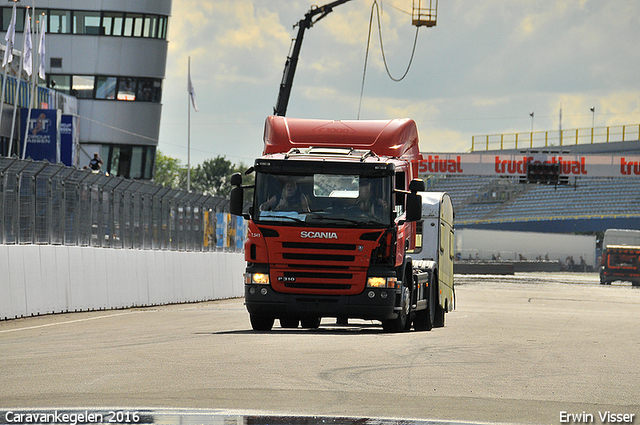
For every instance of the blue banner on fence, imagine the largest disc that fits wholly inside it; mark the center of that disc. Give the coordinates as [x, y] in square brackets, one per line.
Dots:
[67, 140]
[42, 134]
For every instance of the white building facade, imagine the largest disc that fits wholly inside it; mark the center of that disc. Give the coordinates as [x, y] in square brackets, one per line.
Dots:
[111, 55]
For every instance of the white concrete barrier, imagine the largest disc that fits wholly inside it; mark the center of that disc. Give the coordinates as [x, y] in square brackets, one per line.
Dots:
[43, 279]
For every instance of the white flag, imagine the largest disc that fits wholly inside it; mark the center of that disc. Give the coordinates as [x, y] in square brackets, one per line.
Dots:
[192, 92]
[41, 49]
[27, 63]
[10, 39]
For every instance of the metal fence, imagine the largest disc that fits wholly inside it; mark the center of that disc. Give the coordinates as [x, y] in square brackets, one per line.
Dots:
[41, 203]
[556, 138]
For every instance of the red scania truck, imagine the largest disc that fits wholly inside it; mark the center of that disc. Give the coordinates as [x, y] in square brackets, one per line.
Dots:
[338, 228]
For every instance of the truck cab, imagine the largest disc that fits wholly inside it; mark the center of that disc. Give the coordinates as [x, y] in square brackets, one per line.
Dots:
[333, 217]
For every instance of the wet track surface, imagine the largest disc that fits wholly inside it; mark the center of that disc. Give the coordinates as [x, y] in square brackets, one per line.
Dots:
[518, 349]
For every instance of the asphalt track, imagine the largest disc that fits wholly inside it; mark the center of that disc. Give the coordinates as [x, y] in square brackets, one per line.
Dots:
[529, 348]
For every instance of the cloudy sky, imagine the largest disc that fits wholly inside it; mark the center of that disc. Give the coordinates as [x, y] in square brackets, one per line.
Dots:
[482, 70]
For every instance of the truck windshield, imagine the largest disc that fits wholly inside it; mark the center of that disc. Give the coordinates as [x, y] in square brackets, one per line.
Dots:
[324, 200]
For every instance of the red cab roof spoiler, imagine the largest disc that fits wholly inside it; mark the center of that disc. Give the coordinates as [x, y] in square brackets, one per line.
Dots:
[397, 138]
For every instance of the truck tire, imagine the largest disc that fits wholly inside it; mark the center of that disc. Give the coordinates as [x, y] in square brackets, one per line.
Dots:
[424, 318]
[439, 316]
[310, 322]
[261, 323]
[398, 324]
[289, 322]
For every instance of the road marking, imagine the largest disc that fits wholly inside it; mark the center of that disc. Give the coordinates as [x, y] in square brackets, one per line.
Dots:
[72, 321]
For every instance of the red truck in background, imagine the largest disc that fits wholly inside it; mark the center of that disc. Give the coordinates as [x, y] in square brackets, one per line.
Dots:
[620, 256]
[333, 228]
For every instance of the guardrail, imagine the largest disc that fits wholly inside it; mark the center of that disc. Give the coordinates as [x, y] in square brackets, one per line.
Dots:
[557, 138]
[42, 203]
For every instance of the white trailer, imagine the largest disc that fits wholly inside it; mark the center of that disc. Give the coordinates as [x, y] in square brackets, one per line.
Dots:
[480, 244]
[432, 261]
[624, 237]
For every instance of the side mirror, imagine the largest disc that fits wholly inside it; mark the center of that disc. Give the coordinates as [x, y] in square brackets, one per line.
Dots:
[236, 200]
[417, 185]
[414, 206]
[236, 179]
[236, 197]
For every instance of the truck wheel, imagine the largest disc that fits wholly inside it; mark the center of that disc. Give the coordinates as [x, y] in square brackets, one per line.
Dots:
[261, 323]
[289, 322]
[424, 318]
[310, 322]
[398, 324]
[439, 317]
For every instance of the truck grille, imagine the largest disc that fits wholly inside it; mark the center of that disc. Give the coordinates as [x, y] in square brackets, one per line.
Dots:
[305, 267]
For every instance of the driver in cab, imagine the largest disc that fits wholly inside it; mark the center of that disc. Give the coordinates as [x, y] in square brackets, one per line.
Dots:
[291, 199]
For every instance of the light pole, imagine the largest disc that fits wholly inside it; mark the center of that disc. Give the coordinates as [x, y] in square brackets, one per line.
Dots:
[531, 114]
[593, 120]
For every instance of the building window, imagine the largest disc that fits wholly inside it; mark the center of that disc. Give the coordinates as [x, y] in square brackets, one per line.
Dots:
[115, 24]
[150, 26]
[129, 161]
[82, 86]
[7, 12]
[61, 83]
[55, 62]
[112, 23]
[86, 23]
[59, 22]
[127, 89]
[148, 90]
[162, 27]
[106, 87]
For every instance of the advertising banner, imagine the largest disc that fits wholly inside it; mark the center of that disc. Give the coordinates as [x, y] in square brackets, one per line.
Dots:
[42, 140]
[68, 140]
[221, 229]
[516, 165]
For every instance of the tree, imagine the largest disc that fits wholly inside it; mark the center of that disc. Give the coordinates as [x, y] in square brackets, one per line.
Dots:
[213, 175]
[209, 178]
[169, 172]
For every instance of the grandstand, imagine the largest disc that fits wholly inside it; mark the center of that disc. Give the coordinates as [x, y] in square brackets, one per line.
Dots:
[586, 204]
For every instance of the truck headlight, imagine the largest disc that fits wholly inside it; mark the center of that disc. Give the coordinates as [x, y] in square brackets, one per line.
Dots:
[256, 278]
[381, 282]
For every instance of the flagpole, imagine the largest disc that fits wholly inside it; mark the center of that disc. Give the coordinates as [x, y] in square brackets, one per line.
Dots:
[4, 87]
[189, 127]
[8, 58]
[16, 99]
[31, 86]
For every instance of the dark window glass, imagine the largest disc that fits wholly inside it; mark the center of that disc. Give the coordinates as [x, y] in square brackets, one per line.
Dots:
[6, 18]
[127, 89]
[55, 62]
[149, 162]
[137, 157]
[61, 83]
[148, 90]
[106, 87]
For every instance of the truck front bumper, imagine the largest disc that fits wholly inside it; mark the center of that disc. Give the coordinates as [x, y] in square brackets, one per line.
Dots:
[371, 304]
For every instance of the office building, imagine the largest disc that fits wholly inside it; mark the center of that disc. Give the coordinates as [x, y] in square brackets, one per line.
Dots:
[111, 55]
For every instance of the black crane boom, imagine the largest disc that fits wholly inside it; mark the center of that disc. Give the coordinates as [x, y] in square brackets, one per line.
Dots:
[292, 61]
